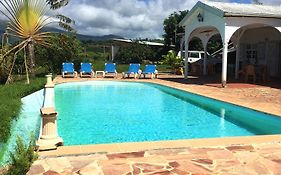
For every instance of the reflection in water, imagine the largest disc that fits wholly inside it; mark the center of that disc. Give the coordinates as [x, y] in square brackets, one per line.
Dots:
[222, 120]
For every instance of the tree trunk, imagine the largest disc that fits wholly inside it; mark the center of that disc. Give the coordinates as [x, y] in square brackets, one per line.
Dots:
[26, 69]
[10, 78]
[31, 58]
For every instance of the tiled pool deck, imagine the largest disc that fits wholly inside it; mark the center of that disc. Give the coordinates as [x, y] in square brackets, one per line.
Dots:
[237, 155]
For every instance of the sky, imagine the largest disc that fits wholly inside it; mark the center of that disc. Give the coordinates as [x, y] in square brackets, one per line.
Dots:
[128, 18]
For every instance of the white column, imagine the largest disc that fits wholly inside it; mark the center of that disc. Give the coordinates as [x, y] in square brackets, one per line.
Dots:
[181, 47]
[49, 138]
[224, 64]
[237, 60]
[49, 92]
[181, 51]
[112, 52]
[204, 39]
[240, 34]
[186, 59]
[205, 60]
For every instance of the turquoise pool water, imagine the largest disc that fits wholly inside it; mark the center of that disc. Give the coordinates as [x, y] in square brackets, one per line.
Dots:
[112, 112]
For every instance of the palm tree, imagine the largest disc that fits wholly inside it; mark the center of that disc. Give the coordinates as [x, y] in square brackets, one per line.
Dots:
[26, 19]
[56, 4]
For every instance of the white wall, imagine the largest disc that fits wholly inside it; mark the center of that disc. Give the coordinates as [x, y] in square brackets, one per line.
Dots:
[210, 20]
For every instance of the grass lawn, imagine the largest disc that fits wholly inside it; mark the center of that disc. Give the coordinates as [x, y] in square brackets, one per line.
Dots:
[10, 97]
[99, 65]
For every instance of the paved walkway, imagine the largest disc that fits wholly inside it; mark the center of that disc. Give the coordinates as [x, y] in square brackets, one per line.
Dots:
[230, 160]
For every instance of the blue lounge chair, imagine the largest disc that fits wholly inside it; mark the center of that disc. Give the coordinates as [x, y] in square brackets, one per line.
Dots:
[110, 68]
[68, 70]
[86, 70]
[133, 69]
[150, 69]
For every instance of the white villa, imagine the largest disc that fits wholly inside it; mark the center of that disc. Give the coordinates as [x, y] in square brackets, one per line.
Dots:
[253, 29]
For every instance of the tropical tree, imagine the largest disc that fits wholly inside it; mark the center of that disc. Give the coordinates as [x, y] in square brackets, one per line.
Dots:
[171, 28]
[63, 48]
[26, 19]
[134, 53]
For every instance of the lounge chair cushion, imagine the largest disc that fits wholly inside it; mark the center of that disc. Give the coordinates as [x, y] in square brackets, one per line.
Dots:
[86, 68]
[110, 68]
[149, 69]
[68, 67]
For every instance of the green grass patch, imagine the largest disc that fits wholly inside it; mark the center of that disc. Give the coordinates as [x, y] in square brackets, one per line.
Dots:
[99, 65]
[3, 149]
[10, 97]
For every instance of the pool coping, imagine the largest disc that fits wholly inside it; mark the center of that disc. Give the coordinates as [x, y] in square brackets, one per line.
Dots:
[142, 146]
[156, 145]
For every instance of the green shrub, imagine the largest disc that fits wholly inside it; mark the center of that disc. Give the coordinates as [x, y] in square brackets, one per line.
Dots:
[173, 60]
[134, 53]
[22, 158]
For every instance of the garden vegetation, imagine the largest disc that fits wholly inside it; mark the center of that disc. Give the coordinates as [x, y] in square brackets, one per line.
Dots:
[10, 97]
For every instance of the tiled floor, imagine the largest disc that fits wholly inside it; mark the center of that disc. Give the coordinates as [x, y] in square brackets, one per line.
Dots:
[254, 155]
[229, 160]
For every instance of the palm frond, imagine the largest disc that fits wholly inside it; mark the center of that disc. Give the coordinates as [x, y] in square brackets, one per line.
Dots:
[56, 4]
[23, 43]
[25, 16]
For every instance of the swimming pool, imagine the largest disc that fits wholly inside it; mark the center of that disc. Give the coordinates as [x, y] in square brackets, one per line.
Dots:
[113, 112]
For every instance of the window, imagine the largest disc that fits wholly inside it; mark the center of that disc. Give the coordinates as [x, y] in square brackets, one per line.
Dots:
[251, 53]
[194, 55]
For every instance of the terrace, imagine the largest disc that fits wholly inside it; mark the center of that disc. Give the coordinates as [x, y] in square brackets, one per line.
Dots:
[236, 155]
[257, 43]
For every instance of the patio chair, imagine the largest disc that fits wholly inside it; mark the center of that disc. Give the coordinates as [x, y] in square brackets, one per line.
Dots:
[68, 70]
[133, 69]
[86, 70]
[110, 68]
[247, 72]
[150, 69]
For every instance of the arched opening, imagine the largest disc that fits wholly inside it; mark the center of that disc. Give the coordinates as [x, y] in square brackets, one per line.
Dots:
[258, 45]
[215, 50]
[197, 49]
[195, 55]
[195, 44]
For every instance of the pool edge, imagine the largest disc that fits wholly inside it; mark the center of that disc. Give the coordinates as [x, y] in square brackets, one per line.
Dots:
[141, 146]
[170, 144]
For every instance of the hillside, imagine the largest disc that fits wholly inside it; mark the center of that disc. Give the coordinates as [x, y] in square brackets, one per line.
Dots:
[81, 37]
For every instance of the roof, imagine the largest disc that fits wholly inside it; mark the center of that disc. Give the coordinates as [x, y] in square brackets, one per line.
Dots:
[141, 42]
[225, 9]
[249, 10]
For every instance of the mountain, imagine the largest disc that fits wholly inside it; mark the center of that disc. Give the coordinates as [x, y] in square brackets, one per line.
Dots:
[85, 37]
[81, 37]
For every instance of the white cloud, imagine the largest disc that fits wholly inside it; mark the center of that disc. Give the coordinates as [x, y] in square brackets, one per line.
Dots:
[127, 18]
